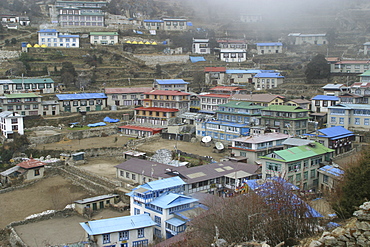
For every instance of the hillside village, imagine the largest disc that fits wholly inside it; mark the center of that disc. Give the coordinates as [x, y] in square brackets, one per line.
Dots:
[168, 123]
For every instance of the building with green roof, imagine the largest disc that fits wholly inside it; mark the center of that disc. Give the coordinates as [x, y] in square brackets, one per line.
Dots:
[297, 164]
[292, 120]
[40, 85]
[25, 104]
[240, 112]
[104, 38]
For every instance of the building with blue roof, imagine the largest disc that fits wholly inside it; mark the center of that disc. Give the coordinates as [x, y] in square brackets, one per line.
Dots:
[82, 102]
[269, 48]
[320, 103]
[171, 84]
[338, 138]
[350, 116]
[238, 76]
[135, 230]
[162, 200]
[329, 177]
[267, 80]
[53, 38]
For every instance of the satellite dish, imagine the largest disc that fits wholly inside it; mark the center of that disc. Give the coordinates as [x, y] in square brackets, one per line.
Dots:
[219, 145]
[206, 139]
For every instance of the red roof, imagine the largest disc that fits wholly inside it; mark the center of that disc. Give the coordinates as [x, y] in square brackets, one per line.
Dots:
[31, 163]
[332, 59]
[166, 92]
[215, 95]
[361, 84]
[354, 62]
[215, 69]
[224, 88]
[128, 90]
[159, 109]
[133, 127]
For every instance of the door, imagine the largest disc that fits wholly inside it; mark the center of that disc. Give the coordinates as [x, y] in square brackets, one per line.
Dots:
[95, 206]
[98, 107]
[67, 109]
[101, 204]
[87, 108]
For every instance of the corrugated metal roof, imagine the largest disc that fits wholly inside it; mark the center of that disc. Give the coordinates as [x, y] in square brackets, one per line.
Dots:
[128, 90]
[157, 109]
[262, 138]
[31, 163]
[95, 198]
[256, 97]
[325, 97]
[215, 95]
[335, 131]
[117, 224]
[297, 142]
[285, 108]
[170, 81]
[333, 86]
[215, 69]
[104, 33]
[241, 105]
[336, 171]
[47, 31]
[236, 71]
[269, 44]
[78, 96]
[225, 88]
[164, 183]
[172, 200]
[175, 222]
[5, 114]
[301, 152]
[33, 80]
[167, 92]
[21, 95]
[269, 75]
[155, 21]
[10, 171]
[351, 106]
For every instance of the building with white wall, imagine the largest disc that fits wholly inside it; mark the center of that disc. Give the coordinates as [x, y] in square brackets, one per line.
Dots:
[53, 38]
[103, 38]
[11, 122]
[269, 48]
[134, 230]
[201, 46]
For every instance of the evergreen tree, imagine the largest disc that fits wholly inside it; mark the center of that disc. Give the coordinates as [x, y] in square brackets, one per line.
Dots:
[318, 68]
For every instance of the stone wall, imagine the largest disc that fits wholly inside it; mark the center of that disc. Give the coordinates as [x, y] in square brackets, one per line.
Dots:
[75, 135]
[355, 234]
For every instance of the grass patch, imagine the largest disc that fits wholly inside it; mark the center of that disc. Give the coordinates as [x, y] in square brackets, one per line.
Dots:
[79, 128]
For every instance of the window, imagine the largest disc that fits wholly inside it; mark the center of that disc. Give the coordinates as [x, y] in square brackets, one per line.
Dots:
[298, 177]
[136, 211]
[133, 176]
[366, 121]
[305, 175]
[273, 167]
[332, 119]
[341, 120]
[37, 172]
[325, 179]
[157, 220]
[106, 238]
[127, 175]
[157, 233]
[357, 121]
[313, 173]
[124, 235]
[140, 233]
[75, 103]
[141, 243]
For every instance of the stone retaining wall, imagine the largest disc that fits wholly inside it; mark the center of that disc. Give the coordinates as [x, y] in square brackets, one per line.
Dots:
[75, 135]
[357, 234]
